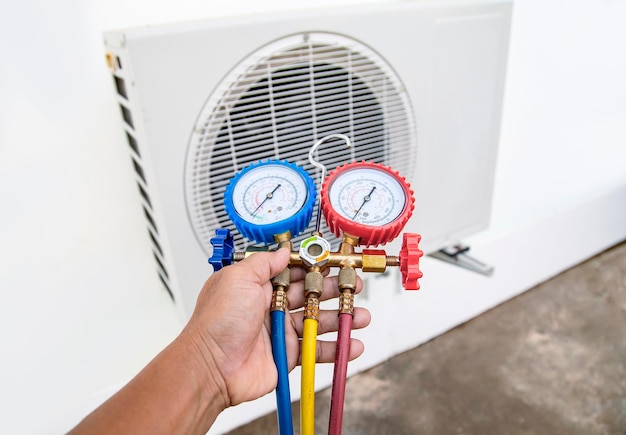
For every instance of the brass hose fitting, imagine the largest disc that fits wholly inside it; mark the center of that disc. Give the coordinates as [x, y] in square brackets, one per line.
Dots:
[279, 301]
[312, 308]
[313, 283]
[281, 281]
[347, 285]
[281, 284]
[347, 279]
[346, 303]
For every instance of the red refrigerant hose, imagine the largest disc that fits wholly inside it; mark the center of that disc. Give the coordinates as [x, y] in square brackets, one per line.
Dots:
[340, 374]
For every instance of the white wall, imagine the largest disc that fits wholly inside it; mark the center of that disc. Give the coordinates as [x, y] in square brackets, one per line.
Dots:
[81, 310]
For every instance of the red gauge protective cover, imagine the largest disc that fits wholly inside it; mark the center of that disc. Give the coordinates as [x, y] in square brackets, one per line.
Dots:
[368, 235]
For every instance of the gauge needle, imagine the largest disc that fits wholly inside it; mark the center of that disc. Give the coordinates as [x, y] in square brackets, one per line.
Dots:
[268, 196]
[365, 199]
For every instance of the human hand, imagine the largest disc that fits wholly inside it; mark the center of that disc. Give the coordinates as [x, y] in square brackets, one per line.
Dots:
[230, 326]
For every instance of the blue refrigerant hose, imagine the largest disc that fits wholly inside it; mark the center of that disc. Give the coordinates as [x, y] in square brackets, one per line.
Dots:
[283, 396]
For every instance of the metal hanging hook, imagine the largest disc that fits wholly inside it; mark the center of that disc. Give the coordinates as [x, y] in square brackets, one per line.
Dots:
[321, 167]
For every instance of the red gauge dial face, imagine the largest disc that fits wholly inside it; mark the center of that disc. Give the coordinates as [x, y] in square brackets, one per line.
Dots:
[368, 196]
[367, 200]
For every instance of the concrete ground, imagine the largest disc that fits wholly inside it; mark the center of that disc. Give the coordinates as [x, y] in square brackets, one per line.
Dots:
[550, 361]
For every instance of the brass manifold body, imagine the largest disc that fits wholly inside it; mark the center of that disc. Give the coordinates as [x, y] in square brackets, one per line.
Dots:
[369, 260]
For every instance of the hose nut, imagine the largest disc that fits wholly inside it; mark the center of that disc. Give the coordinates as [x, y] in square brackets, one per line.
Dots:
[313, 284]
[347, 279]
[283, 279]
[374, 260]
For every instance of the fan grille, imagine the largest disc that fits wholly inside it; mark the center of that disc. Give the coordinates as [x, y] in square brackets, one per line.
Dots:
[278, 102]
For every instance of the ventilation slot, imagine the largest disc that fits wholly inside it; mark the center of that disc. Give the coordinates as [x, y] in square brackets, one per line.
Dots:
[156, 244]
[126, 115]
[158, 260]
[120, 86]
[132, 143]
[139, 171]
[167, 287]
[150, 219]
[144, 195]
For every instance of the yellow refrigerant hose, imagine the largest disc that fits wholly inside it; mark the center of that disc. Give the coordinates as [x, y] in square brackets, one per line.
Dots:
[313, 283]
[307, 399]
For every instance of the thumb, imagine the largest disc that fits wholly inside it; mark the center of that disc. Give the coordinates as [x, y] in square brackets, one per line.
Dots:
[266, 265]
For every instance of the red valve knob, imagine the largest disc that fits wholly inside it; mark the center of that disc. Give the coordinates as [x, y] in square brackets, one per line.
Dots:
[410, 254]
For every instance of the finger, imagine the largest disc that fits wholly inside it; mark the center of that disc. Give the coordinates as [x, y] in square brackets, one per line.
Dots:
[330, 290]
[326, 351]
[264, 265]
[329, 320]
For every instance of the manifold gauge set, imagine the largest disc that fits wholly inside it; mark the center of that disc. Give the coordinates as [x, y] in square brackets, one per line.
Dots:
[364, 203]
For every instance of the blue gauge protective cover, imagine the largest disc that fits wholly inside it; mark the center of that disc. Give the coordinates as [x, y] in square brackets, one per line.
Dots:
[265, 233]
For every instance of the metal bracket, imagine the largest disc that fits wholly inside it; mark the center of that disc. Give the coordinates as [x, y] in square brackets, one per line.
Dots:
[457, 254]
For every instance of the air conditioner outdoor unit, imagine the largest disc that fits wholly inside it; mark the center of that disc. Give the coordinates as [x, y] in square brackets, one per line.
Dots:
[417, 85]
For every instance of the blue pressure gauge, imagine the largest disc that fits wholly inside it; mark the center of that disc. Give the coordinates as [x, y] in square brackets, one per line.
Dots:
[269, 198]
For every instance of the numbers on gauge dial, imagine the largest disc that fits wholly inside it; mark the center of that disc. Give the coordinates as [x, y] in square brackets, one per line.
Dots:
[367, 196]
[269, 193]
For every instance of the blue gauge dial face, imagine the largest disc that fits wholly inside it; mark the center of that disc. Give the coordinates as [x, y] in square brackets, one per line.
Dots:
[269, 194]
[367, 196]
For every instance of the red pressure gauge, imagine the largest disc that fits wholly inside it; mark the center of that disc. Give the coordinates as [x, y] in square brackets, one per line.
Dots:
[367, 200]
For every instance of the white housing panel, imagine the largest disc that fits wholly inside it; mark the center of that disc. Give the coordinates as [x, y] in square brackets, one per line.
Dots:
[436, 111]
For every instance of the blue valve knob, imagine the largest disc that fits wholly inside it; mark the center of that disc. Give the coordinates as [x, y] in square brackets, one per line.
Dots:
[223, 249]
